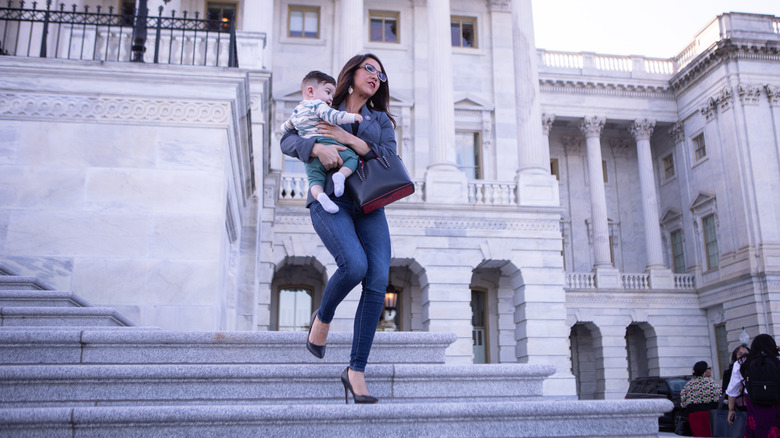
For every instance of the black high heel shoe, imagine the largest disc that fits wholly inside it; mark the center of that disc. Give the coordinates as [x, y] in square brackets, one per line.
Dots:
[367, 399]
[317, 350]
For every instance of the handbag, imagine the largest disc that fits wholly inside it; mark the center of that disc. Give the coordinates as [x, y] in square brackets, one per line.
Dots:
[720, 426]
[379, 181]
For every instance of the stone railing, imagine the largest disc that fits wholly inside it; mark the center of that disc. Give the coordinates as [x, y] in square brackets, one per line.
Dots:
[580, 280]
[595, 63]
[293, 187]
[492, 193]
[630, 281]
[731, 25]
[636, 281]
[684, 281]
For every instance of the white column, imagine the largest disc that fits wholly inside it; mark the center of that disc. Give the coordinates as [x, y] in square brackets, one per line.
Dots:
[535, 184]
[351, 30]
[591, 127]
[444, 182]
[642, 130]
[661, 277]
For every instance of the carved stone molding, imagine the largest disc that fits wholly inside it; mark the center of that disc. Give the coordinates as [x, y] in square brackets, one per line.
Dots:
[749, 94]
[725, 99]
[547, 121]
[773, 94]
[619, 146]
[642, 129]
[500, 6]
[677, 132]
[632, 300]
[447, 223]
[709, 111]
[592, 126]
[572, 145]
[556, 85]
[44, 106]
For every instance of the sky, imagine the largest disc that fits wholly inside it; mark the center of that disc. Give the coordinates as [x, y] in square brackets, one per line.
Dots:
[656, 28]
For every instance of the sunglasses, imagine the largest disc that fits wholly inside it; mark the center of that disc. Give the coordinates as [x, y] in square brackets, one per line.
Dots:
[371, 69]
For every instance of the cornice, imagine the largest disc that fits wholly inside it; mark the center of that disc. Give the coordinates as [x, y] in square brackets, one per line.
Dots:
[599, 87]
[721, 51]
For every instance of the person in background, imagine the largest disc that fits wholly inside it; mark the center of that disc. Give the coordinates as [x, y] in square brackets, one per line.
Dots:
[698, 396]
[762, 421]
[736, 355]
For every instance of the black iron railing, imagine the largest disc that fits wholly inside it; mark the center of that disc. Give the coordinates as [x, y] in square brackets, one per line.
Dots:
[109, 36]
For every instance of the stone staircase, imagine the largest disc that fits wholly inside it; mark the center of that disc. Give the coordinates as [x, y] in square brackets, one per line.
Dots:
[71, 369]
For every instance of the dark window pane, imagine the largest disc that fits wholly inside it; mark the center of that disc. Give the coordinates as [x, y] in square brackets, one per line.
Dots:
[455, 34]
[391, 35]
[375, 28]
[468, 34]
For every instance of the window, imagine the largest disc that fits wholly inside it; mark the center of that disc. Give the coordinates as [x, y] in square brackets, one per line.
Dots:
[611, 250]
[292, 165]
[668, 166]
[303, 22]
[678, 257]
[604, 171]
[699, 147]
[220, 15]
[554, 168]
[710, 241]
[383, 26]
[463, 31]
[722, 345]
[295, 307]
[468, 149]
[478, 311]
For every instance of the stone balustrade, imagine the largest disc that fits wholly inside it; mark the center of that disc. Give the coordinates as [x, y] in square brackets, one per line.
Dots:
[630, 281]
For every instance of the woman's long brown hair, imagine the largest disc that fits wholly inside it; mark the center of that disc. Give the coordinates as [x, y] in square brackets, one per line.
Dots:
[380, 101]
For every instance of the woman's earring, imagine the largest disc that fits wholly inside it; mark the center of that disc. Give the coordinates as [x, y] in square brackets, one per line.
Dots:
[350, 90]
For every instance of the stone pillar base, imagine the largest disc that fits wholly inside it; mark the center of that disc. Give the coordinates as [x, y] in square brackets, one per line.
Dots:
[536, 188]
[608, 278]
[446, 185]
[661, 278]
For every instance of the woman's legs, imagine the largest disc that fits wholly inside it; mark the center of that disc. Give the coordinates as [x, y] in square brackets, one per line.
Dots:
[374, 234]
[337, 232]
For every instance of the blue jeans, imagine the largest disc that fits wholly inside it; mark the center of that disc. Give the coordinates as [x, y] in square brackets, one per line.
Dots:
[360, 243]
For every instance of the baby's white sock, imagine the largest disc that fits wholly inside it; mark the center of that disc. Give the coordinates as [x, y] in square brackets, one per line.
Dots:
[338, 183]
[327, 204]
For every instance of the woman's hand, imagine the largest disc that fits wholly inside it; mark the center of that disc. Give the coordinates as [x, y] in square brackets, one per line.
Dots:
[732, 416]
[335, 132]
[340, 135]
[328, 155]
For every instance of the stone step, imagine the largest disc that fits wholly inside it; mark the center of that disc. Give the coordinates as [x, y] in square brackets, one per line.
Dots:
[540, 418]
[40, 298]
[61, 316]
[17, 282]
[133, 385]
[139, 346]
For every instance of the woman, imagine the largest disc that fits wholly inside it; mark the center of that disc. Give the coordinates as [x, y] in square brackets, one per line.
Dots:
[698, 396]
[360, 243]
[762, 421]
[736, 355]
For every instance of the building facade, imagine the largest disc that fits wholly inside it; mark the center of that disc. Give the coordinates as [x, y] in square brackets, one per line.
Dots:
[615, 216]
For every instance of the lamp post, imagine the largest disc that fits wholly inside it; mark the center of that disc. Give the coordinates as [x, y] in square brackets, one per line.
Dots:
[139, 32]
[388, 315]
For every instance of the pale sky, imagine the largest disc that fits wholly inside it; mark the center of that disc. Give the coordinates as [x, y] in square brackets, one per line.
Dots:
[656, 28]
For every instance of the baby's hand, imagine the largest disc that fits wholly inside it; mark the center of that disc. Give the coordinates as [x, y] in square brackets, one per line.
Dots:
[358, 118]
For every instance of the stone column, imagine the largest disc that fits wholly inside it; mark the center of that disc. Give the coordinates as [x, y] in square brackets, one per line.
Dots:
[256, 17]
[535, 185]
[444, 182]
[661, 277]
[591, 127]
[351, 29]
